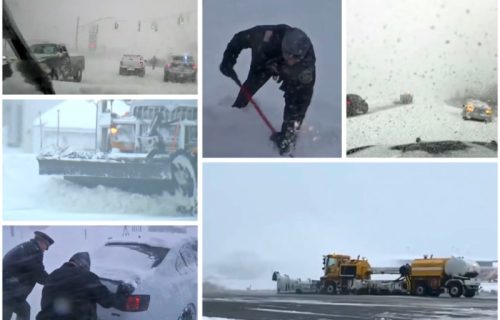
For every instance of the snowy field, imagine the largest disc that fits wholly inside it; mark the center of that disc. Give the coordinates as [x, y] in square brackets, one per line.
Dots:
[70, 240]
[389, 124]
[230, 132]
[29, 196]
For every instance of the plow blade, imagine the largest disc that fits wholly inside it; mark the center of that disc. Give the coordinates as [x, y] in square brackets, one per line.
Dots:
[138, 175]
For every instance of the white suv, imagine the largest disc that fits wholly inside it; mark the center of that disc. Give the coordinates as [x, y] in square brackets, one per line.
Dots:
[132, 64]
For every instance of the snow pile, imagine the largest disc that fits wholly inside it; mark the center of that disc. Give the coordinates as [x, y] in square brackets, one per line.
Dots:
[231, 132]
[489, 287]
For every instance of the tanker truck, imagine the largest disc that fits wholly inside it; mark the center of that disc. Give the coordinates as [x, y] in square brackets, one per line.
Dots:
[428, 276]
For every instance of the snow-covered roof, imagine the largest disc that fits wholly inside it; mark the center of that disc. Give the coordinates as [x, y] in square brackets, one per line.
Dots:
[72, 114]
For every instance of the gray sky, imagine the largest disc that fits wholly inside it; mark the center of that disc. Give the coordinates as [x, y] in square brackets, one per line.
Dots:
[427, 47]
[264, 217]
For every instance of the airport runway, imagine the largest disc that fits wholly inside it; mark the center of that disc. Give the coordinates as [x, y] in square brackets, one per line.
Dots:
[268, 305]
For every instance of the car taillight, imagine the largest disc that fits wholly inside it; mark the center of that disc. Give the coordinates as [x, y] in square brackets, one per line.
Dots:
[167, 66]
[194, 66]
[349, 102]
[135, 303]
[142, 63]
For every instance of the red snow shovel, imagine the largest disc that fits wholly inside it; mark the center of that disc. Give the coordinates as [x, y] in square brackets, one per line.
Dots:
[249, 98]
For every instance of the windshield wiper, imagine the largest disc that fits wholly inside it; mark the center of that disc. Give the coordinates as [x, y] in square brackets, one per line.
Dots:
[28, 65]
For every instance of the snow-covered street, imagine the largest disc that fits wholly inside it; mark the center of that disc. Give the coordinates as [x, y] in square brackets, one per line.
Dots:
[389, 124]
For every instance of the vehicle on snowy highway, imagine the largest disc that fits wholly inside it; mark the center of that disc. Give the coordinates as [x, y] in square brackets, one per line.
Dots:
[163, 271]
[355, 105]
[57, 62]
[132, 64]
[180, 68]
[406, 98]
[478, 110]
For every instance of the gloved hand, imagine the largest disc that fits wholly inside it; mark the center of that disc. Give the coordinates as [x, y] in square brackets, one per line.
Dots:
[226, 68]
[125, 289]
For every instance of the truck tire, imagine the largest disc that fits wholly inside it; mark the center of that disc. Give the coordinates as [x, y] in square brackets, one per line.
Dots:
[78, 76]
[331, 288]
[420, 290]
[469, 293]
[455, 289]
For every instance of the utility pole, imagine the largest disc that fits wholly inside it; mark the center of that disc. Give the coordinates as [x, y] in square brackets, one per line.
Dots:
[76, 34]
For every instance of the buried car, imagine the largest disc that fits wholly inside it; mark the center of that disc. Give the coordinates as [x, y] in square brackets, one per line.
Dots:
[180, 68]
[163, 272]
[355, 105]
[478, 110]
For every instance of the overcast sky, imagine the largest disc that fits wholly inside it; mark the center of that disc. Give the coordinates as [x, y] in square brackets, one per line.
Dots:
[258, 218]
[427, 47]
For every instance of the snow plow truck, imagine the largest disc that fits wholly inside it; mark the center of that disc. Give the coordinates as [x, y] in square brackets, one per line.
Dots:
[427, 276]
[150, 150]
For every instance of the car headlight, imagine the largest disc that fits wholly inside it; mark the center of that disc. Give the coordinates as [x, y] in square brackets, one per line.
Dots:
[469, 108]
[113, 131]
[488, 111]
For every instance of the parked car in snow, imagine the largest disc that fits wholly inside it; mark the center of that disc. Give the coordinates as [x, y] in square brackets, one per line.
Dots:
[180, 68]
[132, 64]
[355, 105]
[163, 271]
[56, 61]
[478, 110]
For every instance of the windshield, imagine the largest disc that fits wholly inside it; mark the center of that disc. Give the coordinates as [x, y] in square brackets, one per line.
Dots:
[130, 255]
[331, 262]
[416, 64]
[44, 49]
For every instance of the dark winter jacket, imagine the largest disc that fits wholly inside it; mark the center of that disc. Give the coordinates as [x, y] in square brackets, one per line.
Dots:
[267, 57]
[22, 269]
[71, 293]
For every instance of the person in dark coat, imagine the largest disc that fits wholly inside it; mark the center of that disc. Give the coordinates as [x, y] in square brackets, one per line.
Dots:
[287, 55]
[72, 292]
[22, 269]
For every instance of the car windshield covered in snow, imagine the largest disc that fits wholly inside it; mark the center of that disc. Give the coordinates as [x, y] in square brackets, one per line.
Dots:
[138, 256]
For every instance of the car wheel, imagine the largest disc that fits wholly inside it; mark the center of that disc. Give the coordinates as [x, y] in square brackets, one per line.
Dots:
[455, 289]
[78, 76]
[142, 73]
[165, 77]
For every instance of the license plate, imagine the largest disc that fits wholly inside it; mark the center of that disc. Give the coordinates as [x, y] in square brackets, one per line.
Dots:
[130, 69]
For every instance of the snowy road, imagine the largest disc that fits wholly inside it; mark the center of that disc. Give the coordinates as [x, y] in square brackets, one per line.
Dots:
[389, 124]
[271, 306]
[28, 196]
[101, 77]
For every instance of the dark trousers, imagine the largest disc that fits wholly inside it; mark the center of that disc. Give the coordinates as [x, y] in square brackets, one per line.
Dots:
[21, 309]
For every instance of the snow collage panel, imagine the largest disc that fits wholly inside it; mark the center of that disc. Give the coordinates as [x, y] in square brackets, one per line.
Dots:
[292, 201]
[100, 184]
[374, 238]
